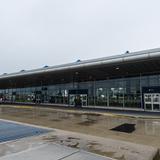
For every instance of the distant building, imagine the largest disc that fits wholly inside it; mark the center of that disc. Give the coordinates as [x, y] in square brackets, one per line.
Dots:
[127, 81]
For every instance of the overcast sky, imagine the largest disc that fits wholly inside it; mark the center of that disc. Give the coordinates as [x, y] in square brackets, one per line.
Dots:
[34, 33]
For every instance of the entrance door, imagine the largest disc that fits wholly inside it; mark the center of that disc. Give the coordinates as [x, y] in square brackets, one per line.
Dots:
[72, 99]
[152, 101]
[83, 97]
[78, 97]
[156, 101]
[38, 98]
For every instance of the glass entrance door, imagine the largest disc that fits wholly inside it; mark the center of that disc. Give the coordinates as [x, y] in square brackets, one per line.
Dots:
[156, 101]
[72, 99]
[83, 98]
[152, 101]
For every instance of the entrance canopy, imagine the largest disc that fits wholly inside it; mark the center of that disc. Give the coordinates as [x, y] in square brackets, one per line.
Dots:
[125, 65]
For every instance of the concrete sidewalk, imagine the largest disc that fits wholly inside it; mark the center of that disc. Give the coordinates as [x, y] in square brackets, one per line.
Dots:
[53, 152]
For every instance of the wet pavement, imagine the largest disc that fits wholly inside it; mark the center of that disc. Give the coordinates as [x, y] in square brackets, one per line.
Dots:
[147, 131]
[145, 136]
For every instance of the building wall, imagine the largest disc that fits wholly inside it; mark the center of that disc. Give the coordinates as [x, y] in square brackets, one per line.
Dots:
[124, 92]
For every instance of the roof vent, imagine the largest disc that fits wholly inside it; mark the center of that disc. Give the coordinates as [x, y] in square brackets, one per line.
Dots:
[78, 61]
[45, 66]
[4, 73]
[22, 70]
[127, 52]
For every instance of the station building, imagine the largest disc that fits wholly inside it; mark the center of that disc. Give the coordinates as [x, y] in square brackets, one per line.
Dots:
[127, 81]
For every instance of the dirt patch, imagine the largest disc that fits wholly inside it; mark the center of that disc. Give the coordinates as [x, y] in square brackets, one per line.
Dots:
[51, 138]
[56, 120]
[92, 147]
[73, 138]
[75, 145]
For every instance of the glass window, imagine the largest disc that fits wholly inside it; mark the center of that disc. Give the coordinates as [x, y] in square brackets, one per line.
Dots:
[101, 97]
[116, 93]
[132, 95]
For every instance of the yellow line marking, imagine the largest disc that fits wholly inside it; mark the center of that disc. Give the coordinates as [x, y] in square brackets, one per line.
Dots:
[23, 107]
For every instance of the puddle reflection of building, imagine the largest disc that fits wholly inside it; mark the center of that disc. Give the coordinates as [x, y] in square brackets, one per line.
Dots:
[152, 128]
[88, 118]
[140, 127]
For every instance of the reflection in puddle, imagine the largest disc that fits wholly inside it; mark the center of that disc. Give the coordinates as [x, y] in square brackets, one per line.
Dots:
[87, 123]
[88, 120]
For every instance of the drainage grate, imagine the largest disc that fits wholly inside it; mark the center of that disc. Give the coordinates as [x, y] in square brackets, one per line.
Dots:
[12, 131]
[126, 127]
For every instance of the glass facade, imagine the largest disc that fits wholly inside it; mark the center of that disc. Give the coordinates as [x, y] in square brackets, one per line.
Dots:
[123, 92]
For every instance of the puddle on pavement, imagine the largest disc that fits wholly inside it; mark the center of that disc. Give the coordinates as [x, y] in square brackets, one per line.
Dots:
[87, 122]
[126, 127]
